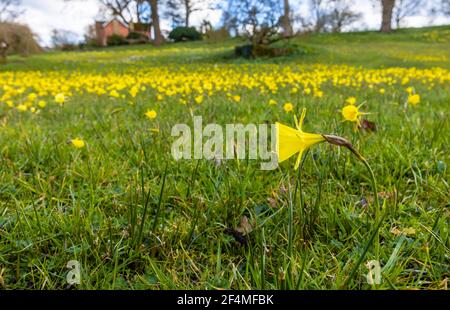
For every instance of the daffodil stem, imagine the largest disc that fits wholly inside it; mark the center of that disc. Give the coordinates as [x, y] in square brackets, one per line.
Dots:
[377, 204]
[374, 185]
[339, 141]
[378, 219]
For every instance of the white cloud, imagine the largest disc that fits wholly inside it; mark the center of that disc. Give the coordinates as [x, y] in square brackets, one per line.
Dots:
[45, 15]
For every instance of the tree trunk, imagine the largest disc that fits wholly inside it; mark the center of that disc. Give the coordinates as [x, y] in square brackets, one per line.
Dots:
[3, 52]
[187, 12]
[387, 8]
[286, 21]
[138, 11]
[158, 40]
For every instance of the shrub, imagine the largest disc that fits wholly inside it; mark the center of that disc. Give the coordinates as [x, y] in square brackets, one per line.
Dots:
[19, 38]
[115, 40]
[68, 47]
[244, 51]
[136, 36]
[185, 34]
[275, 50]
[218, 35]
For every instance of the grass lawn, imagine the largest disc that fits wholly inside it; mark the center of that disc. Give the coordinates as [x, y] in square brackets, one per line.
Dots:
[135, 218]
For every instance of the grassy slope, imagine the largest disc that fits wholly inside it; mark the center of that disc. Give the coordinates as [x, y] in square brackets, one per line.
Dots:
[57, 205]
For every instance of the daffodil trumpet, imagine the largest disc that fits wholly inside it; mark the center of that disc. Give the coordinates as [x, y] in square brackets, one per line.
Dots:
[292, 141]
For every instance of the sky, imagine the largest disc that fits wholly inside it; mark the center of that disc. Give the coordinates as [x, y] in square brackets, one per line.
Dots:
[45, 15]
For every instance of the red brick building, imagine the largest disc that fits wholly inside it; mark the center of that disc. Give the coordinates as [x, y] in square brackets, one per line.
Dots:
[104, 30]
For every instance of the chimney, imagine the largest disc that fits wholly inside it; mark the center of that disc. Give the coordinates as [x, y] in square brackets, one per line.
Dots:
[100, 34]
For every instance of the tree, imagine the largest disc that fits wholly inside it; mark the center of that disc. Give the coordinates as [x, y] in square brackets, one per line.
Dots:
[143, 11]
[341, 15]
[285, 20]
[405, 8]
[17, 39]
[329, 15]
[387, 7]
[3, 51]
[10, 10]
[180, 11]
[250, 16]
[318, 15]
[443, 8]
[158, 39]
[63, 38]
[120, 9]
[229, 21]
[446, 7]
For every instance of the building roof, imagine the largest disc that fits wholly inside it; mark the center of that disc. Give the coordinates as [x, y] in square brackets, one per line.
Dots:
[105, 24]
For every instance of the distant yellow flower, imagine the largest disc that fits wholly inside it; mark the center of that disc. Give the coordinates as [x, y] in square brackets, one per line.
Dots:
[382, 91]
[9, 103]
[294, 90]
[237, 98]
[414, 99]
[22, 107]
[318, 93]
[291, 141]
[42, 104]
[199, 99]
[351, 100]
[151, 114]
[134, 91]
[272, 102]
[32, 97]
[307, 91]
[410, 90]
[159, 97]
[60, 98]
[78, 143]
[288, 107]
[351, 113]
[114, 94]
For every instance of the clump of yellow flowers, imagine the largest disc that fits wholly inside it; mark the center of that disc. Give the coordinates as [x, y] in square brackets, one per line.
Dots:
[151, 114]
[23, 90]
[60, 98]
[77, 143]
[414, 99]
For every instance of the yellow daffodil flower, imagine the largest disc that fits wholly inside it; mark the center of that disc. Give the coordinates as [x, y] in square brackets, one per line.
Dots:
[151, 114]
[77, 143]
[414, 99]
[60, 99]
[199, 99]
[22, 107]
[291, 141]
[351, 100]
[288, 107]
[351, 113]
